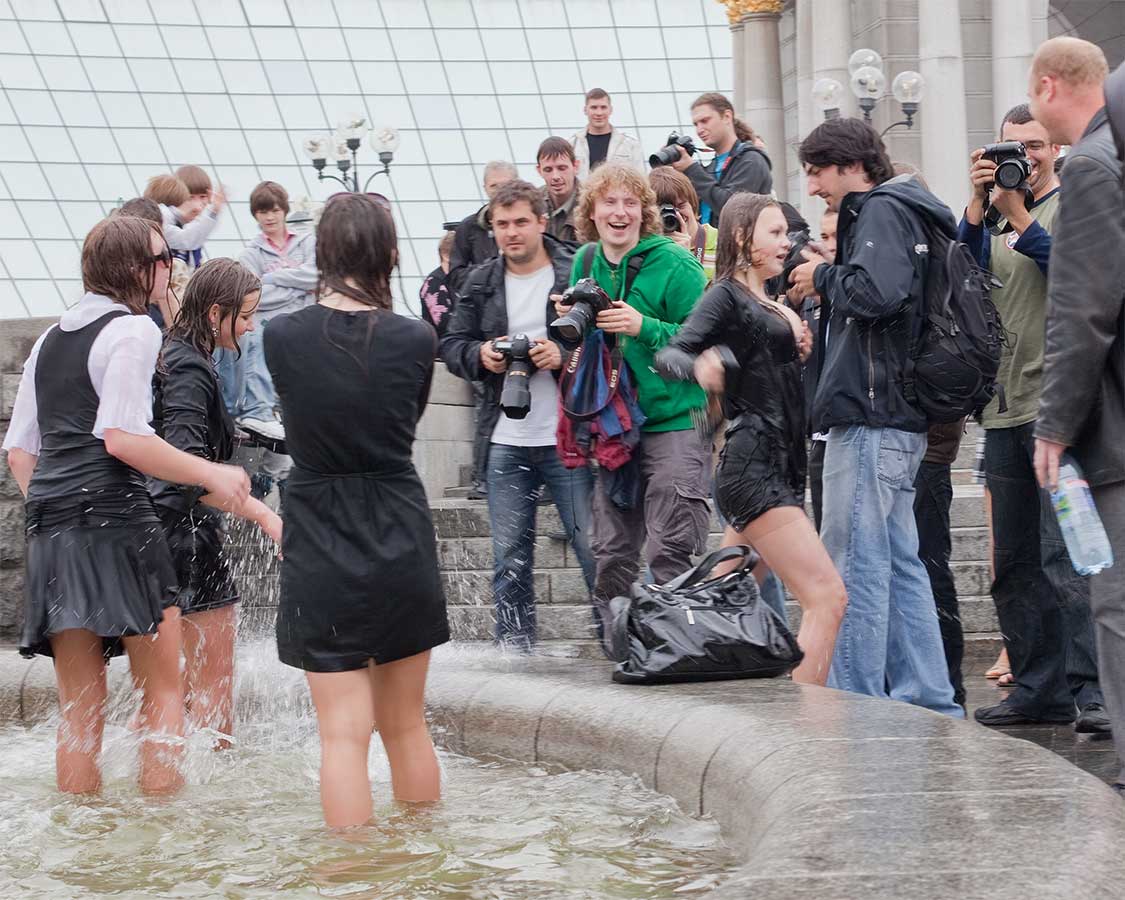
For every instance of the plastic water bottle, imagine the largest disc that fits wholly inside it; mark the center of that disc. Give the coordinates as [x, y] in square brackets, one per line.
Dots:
[1086, 540]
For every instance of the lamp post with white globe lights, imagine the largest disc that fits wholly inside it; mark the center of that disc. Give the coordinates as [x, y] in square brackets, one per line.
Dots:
[343, 147]
[869, 84]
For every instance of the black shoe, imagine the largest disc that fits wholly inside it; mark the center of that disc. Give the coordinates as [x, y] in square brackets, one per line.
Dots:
[478, 492]
[1119, 787]
[1092, 720]
[1002, 715]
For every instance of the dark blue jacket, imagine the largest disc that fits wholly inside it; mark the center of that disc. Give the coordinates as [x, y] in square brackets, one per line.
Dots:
[870, 302]
[1034, 243]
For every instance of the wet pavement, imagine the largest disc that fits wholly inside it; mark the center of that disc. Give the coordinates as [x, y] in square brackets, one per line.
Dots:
[1091, 753]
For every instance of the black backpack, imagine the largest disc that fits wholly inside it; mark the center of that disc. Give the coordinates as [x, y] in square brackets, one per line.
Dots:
[955, 354]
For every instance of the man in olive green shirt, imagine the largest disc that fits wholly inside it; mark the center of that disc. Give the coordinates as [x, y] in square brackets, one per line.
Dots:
[1041, 602]
[617, 216]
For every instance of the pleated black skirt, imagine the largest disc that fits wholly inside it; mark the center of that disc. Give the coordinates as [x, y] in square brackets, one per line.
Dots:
[100, 564]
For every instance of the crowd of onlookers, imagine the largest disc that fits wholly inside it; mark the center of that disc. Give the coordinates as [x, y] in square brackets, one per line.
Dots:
[646, 339]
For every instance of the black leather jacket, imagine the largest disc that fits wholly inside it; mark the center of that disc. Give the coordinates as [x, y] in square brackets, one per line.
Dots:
[768, 380]
[482, 314]
[1082, 404]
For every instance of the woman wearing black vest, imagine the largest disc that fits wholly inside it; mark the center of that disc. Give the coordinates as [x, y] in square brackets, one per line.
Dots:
[217, 309]
[99, 574]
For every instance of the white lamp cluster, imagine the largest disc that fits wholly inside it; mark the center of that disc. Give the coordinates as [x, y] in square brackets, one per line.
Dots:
[343, 147]
[869, 84]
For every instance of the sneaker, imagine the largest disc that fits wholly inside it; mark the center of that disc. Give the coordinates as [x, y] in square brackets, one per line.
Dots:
[1092, 719]
[267, 428]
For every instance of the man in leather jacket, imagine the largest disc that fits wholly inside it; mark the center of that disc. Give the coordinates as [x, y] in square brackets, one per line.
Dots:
[1082, 406]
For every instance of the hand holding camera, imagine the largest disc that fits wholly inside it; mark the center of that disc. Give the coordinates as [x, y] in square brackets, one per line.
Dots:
[999, 177]
[545, 354]
[677, 152]
[515, 395]
[491, 359]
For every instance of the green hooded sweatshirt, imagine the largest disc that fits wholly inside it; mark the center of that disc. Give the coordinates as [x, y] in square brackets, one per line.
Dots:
[665, 290]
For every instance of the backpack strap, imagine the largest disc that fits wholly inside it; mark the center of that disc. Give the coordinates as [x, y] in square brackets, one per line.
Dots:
[632, 269]
[587, 254]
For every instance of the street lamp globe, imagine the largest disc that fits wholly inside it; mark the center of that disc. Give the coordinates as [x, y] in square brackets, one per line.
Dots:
[908, 87]
[828, 94]
[864, 57]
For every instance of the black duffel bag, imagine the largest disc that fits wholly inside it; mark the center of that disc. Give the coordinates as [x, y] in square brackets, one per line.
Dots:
[699, 629]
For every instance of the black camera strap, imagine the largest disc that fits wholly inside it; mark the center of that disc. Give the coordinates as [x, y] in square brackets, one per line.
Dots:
[632, 267]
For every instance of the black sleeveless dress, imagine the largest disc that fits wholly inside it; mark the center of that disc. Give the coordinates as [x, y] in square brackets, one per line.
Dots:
[762, 464]
[359, 573]
[96, 554]
[189, 413]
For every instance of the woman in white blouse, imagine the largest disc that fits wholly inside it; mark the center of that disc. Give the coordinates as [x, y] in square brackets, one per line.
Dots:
[99, 574]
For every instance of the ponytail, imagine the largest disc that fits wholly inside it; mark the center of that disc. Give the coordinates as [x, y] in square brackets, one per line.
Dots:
[721, 104]
[742, 131]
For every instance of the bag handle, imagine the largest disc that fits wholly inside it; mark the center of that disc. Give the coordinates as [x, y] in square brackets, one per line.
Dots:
[749, 558]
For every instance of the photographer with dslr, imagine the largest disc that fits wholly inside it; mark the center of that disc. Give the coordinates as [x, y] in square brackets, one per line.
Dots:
[679, 216]
[499, 335]
[668, 514]
[739, 164]
[1041, 602]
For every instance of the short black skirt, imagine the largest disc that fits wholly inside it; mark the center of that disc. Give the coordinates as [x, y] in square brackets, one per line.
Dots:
[101, 565]
[196, 540]
[755, 473]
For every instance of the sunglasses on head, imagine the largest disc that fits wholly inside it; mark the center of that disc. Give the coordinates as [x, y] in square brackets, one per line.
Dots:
[378, 198]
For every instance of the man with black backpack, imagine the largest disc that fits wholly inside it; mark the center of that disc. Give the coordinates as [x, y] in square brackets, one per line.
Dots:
[653, 284]
[1042, 604]
[873, 300]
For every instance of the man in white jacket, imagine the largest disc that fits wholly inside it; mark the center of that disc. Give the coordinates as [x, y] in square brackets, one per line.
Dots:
[601, 142]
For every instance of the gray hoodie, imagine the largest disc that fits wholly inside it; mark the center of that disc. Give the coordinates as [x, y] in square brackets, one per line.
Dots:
[288, 276]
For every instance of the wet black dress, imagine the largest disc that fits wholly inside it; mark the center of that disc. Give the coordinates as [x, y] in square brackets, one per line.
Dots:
[359, 574]
[96, 555]
[189, 413]
[762, 465]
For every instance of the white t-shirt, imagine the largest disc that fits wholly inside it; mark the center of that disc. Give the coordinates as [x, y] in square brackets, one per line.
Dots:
[526, 297]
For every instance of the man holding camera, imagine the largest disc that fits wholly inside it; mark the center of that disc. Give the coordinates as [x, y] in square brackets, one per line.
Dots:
[739, 164]
[499, 335]
[1041, 602]
[667, 513]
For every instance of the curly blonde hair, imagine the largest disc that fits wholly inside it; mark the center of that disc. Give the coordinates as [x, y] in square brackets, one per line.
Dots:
[606, 178]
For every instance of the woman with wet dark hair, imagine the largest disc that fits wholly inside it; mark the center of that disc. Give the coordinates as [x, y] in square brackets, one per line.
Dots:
[361, 601]
[760, 480]
[99, 574]
[189, 413]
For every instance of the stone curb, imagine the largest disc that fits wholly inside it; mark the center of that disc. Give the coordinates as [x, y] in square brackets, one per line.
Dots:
[824, 794]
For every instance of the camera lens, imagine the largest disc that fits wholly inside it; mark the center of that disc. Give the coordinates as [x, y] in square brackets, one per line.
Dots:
[669, 219]
[665, 156]
[1010, 174]
[570, 329]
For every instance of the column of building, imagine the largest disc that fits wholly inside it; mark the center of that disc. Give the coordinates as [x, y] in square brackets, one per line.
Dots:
[1014, 39]
[943, 126]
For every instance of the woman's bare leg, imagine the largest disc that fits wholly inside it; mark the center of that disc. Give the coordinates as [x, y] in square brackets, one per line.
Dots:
[789, 544]
[345, 717]
[400, 687]
[155, 664]
[80, 675]
[209, 673]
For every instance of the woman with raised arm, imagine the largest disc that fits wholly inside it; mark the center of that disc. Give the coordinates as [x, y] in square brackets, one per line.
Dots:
[99, 574]
[742, 343]
[361, 600]
[217, 309]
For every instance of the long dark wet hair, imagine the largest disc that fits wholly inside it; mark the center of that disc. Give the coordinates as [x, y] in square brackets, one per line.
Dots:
[222, 281]
[117, 261]
[356, 240]
[739, 217]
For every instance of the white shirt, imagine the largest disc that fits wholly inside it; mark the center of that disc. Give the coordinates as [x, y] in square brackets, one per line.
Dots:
[526, 298]
[121, 364]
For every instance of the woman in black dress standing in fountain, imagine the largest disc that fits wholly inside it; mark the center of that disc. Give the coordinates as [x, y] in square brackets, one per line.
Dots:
[760, 481]
[217, 309]
[361, 601]
[99, 574]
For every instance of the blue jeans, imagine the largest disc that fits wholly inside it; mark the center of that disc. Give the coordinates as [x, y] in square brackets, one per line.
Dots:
[515, 475]
[890, 640]
[245, 381]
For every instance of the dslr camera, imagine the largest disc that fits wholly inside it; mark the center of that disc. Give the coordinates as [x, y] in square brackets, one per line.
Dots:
[669, 219]
[1013, 169]
[586, 299]
[515, 396]
[668, 154]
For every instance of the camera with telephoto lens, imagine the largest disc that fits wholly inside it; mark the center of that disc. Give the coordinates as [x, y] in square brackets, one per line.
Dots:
[669, 218]
[668, 154]
[586, 299]
[515, 397]
[1013, 168]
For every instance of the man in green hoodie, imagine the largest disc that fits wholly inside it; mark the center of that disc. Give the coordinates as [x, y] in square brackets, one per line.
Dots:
[618, 218]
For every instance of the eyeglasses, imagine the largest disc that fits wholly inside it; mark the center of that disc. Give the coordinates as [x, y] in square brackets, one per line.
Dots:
[164, 256]
[378, 198]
